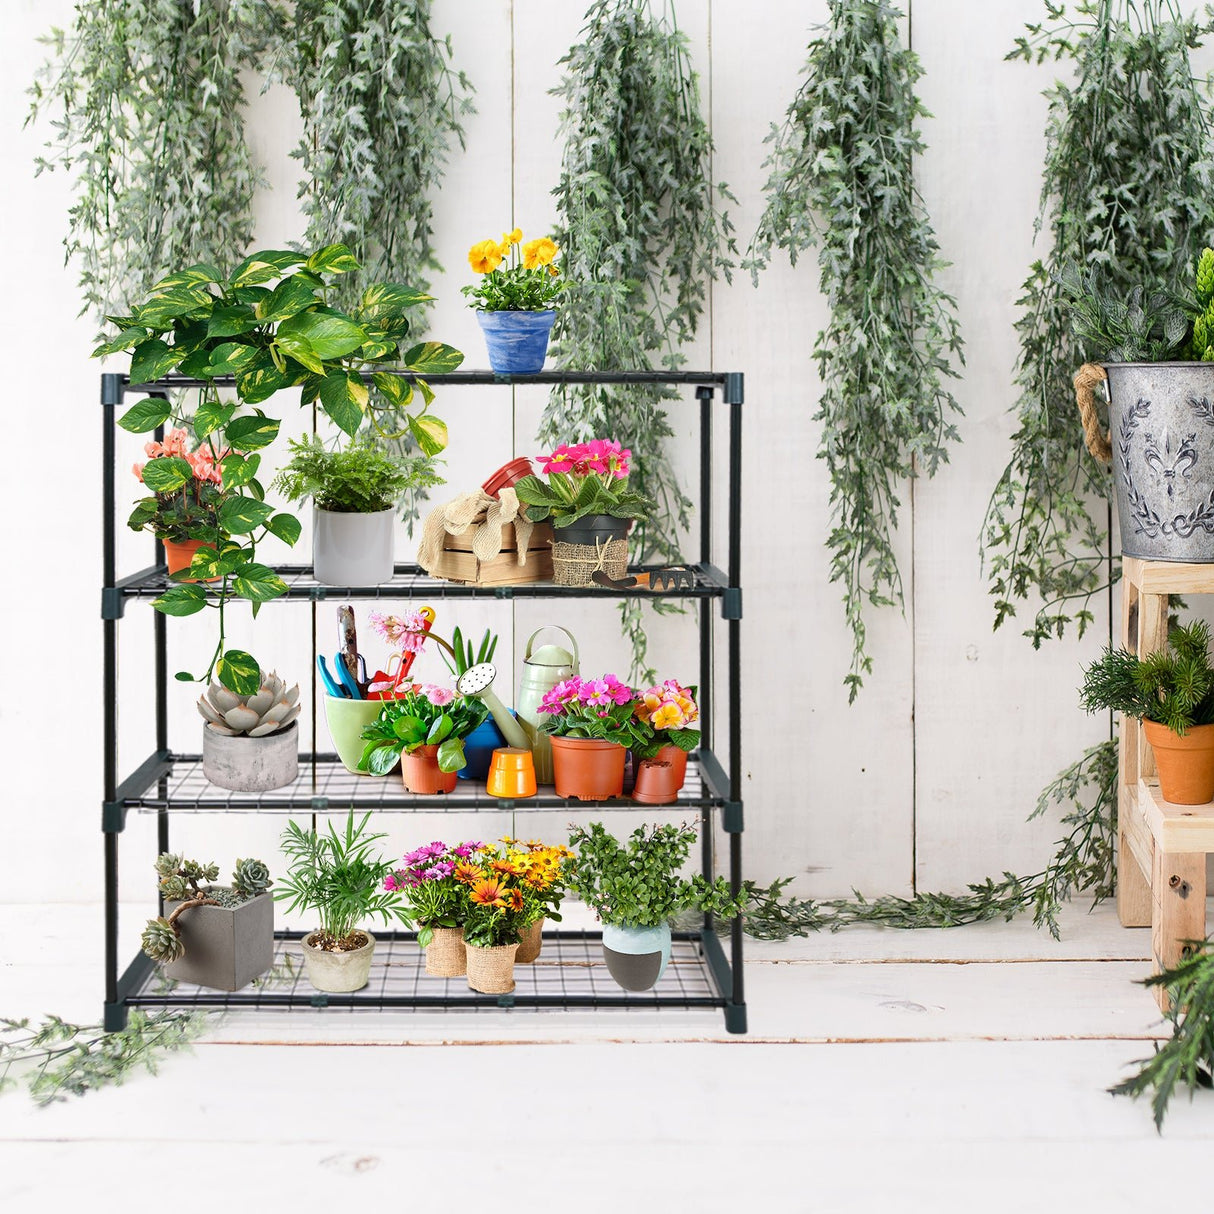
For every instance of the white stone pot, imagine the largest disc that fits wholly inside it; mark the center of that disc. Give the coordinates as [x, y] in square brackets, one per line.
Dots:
[338, 973]
[353, 549]
[246, 764]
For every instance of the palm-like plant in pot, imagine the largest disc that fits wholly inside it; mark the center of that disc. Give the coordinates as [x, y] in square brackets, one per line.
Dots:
[1171, 692]
[635, 889]
[337, 876]
[591, 506]
[355, 491]
[425, 729]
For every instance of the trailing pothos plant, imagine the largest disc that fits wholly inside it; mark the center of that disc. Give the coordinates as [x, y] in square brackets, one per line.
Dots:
[842, 179]
[1128, 190]
[145, 99]
[212, 326]
[641, 236]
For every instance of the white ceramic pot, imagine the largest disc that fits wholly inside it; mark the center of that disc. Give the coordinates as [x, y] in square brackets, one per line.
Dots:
[246, 764]
[353, 549]
[338, 973]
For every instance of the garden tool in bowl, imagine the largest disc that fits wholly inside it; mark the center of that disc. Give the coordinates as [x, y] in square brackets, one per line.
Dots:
[477, 681]
[543, 669]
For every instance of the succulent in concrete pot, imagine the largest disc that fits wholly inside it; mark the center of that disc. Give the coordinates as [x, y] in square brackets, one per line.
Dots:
[249, 743]
[220, 936]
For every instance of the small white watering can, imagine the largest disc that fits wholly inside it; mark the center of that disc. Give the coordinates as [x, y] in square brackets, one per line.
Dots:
[543, 669]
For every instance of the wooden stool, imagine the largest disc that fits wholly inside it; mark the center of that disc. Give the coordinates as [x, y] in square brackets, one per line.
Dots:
[1161, 873]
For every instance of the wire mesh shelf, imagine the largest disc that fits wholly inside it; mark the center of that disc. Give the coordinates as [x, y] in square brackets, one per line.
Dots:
[323, 785]
[411, 581]
[569, 973]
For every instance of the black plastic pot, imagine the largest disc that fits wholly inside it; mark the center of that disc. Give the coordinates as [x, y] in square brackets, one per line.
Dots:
[593, 529]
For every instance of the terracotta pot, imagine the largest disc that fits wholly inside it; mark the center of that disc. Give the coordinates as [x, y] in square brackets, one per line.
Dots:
[507, 475]
[445, 956]
[421, 773]
[659, 779]
[531, 941]
[179, 556]
[491, 970]
[1186, 765]
[587, 768]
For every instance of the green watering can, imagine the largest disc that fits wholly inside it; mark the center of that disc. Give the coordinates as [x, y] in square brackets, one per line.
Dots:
[543, 669]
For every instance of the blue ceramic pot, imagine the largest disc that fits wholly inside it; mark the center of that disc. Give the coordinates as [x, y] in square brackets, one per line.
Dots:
[517, 341]
[479, 746]
[636, 956]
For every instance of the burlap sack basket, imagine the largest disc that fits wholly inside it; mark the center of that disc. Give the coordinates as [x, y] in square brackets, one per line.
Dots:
[530, 943]
[445, 954]
[491, 970]
[573, 564]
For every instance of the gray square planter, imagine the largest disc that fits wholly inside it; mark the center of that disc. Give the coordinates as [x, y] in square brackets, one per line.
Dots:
[225, 949]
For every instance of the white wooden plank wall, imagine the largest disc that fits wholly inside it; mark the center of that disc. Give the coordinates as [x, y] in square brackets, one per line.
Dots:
[933, 771]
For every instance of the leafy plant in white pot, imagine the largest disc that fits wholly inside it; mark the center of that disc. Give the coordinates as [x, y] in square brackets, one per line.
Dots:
[336, 876]
[355, 491]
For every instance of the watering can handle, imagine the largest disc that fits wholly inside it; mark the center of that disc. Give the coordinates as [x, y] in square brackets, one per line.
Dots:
[572, 641]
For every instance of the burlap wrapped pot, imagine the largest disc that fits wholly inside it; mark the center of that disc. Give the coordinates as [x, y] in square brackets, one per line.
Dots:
[445, 953]
[491, 970]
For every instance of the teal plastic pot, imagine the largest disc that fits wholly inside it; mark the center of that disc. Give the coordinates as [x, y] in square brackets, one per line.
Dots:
[346, 720]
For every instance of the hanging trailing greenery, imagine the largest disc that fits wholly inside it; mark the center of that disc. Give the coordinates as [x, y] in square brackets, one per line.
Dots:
[147, 107]
[842, 179]
[1128, 189]
[641, 236]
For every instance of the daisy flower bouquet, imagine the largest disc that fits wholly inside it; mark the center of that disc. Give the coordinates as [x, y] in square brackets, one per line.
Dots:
[583, 479]
[496, 905]
[428, 886]
[517, 275]
[426, 715]
[601, 708]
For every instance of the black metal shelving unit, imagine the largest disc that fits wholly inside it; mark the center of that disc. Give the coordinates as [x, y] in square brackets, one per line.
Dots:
[704, 972]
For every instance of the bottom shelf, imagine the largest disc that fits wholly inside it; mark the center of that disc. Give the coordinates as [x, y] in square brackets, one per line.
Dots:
[569, 973]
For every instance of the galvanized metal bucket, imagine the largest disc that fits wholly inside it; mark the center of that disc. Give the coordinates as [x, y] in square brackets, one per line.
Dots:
[1161, 431]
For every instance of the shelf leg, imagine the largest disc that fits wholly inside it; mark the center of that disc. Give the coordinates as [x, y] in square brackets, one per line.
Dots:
[1178, 912]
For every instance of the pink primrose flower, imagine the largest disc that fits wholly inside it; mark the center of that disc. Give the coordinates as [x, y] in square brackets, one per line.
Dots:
[595, 693]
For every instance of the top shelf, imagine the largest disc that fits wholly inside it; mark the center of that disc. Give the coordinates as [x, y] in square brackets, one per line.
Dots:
[1167, 577]
[731, 382]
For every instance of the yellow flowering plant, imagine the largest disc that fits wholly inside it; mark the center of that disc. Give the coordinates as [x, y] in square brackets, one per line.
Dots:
[518, 275]
[510, 887]
[664, 714]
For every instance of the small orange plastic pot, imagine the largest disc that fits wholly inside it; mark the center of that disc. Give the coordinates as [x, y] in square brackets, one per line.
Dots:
[511, 773]
[179, 556]
[1186, 765]
[421, 773]
[587, 768]
[659, 779]
[507, 475]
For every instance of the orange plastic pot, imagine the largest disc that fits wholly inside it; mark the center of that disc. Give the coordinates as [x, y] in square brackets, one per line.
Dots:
[179, 556]
[1185, 764]
[511, 773]
[507, 475]
[659, 779]
[421, 773]
[587, 768]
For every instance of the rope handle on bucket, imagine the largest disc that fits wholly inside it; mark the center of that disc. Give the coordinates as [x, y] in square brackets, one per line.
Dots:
[1096, 438]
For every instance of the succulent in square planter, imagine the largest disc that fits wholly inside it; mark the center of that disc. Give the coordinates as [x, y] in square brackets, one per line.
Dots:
[250, 743]
[354, 491]
[219, 936]
[1171, 692]
[591, 506]
[336, 875]
[513, 299]
[635, 889]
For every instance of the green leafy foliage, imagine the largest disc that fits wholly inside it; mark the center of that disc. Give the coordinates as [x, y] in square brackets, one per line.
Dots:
[567, 503]
[146, 100]
[336, 875]
[637, 883]
[357, 479]
[415, 720]
[1084, 862]
[1128, 188]
[1144, 327]
[1188, 1056]
[56, 1059]
[640, 238]
[842, 178]
[1174, 686]
[465, 655]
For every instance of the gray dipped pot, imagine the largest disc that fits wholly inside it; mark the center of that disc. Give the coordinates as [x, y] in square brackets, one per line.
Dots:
[245, 764]
[1161, 428]
[636, 956]
[225, 947]
[353, 549]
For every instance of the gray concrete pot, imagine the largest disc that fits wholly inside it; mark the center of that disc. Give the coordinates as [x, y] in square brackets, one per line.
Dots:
[636, 956]
[225, 948]
[1161, 424]
[338, 973]
[353, 549]
[246, 764]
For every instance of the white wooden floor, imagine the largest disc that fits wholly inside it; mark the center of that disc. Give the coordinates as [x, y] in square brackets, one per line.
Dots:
[944, 1071]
